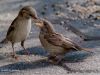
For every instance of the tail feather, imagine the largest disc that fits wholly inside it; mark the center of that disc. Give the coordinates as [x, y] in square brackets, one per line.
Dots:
[4, 41]
[85, 49]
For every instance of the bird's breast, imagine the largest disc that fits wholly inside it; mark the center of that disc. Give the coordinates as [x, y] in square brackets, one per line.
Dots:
[22, 30]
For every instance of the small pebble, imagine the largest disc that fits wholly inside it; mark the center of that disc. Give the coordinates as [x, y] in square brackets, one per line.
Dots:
[85, 23]
[57, 13]
[67, 4]
[53, 5]
[54, 9]
[62, 23]
[43, 13]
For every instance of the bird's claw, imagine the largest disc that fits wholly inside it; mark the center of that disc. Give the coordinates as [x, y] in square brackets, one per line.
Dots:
[14, 56]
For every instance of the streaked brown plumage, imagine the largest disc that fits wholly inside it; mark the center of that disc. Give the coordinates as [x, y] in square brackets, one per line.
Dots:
[56, 44]
[20, 27]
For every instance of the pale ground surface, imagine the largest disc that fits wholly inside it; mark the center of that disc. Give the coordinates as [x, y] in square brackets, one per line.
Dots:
[83, 63]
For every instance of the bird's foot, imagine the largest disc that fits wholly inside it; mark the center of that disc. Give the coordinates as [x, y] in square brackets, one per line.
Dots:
[59, 61]
[14, 56]
[53, 60]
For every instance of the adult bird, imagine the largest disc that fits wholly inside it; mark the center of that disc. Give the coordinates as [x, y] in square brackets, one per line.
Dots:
[20, 27]
[54, 43]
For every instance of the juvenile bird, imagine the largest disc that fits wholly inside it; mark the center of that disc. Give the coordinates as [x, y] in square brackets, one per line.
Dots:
[56, 44]
[20, 27]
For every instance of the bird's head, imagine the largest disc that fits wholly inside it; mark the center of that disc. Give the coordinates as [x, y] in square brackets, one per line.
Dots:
[45, 25]
[42, 23]
[28, 12]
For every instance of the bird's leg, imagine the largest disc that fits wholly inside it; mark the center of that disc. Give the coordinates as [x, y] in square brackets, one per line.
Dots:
[14, 54]
[22, 44]
[51, 58]
[60, 63]
[26, 52]
[56, 59]
[59, 59]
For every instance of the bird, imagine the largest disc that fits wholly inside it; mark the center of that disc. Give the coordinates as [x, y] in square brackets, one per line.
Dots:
[20, 28]
[56, 44]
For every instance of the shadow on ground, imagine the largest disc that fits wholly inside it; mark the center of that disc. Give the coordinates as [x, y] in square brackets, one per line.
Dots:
[24, 66]
[71, 57]
[38, 64]
[34, 50]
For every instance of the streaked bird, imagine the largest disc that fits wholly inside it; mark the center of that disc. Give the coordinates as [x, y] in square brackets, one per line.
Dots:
[54, 43]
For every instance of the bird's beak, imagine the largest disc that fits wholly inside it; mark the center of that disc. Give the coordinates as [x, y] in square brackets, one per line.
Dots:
[38, 22]
[35, 17]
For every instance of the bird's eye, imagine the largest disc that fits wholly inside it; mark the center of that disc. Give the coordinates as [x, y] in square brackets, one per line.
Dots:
[30, 14]
[24, 11]
[53, 35]
[45, 24]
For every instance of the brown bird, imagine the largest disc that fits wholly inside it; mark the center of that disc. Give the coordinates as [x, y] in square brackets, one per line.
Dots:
[20, 27]
[56, 44]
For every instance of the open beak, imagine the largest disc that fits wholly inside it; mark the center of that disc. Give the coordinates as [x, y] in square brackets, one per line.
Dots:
[38, 22]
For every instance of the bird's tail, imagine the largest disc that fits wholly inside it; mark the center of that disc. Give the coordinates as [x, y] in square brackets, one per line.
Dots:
[5, 41]
[84, 49]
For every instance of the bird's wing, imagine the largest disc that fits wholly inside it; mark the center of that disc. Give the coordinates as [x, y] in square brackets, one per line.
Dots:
[59, 40]
[54, 39]
[12, 27]
[74, 45]
[77, 47]
[9, 32]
